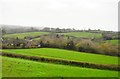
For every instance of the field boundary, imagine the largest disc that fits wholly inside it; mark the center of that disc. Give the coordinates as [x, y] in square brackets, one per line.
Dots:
[63, 62]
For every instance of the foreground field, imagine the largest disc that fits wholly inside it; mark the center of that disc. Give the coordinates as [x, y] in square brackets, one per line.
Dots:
[66, 54]
[13, 67]
[22, 35]
[83, 34]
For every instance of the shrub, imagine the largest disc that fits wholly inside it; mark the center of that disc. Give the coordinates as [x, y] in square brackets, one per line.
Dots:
[86, 46]
[108, 49]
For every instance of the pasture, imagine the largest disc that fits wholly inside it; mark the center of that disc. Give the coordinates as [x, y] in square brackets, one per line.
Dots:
[114, 42]
[13, 67]
[66, 54]
[76, 34]
[83, 34]
[22, 35]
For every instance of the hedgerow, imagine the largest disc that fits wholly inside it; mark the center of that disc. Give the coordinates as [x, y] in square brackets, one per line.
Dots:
[64, 62]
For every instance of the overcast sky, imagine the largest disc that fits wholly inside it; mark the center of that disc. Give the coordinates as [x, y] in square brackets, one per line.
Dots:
[79, 14]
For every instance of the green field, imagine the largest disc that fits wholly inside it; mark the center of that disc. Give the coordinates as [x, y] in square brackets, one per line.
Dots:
[76, 34]
[13, 67]
[36, 39]
[22, 35]
[66, 54]
[114, 42]
[83, 34]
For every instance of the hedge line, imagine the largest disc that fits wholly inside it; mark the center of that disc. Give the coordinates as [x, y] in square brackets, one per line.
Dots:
[64, 62]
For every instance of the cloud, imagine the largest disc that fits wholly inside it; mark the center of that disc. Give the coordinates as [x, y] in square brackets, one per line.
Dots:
[80, 14]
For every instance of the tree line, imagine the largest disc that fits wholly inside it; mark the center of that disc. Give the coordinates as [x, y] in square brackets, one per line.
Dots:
[87, 45]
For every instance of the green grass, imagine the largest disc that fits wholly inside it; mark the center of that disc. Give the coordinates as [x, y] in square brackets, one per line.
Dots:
[83, 34]
[114, 42]
[76, 34]
[13, 67]
[66, 54]
[36, 39]
[22, 35]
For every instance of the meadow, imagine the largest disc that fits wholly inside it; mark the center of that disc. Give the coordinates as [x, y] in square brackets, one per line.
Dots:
[114, 42]
[22, 35]
[66, 54]
[83, 34]
[13, 67]
[76, 34]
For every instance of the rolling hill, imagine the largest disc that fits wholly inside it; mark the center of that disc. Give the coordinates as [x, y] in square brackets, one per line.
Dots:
[13, 67]
[22, 35]
[66, 54]
[83, 34]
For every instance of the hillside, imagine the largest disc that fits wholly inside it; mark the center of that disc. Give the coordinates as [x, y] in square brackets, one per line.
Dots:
[83, 34]
[13, 67]
[66, 54]
[27, 34]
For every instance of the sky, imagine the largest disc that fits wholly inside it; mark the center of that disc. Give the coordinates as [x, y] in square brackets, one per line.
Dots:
[78, 14]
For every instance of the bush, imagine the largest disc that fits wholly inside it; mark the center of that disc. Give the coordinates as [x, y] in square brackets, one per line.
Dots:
[86, 46]
[108, 49]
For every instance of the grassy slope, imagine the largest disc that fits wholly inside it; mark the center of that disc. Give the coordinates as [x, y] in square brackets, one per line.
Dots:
[66, 54]
[36, 39]
[22, 35]
[19, 67]
[76, 34]
[83, 34]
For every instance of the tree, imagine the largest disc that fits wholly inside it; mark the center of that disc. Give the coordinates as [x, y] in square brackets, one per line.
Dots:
[70, 45]
[58, 30]
[46, 29]
[3, 31]
[89, 29]
[107, 36]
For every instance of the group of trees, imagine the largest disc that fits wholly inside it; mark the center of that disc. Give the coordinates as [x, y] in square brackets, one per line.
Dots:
[10, 29]
[79, 44]
[58, 30]
[21, 29]
[63, 42]
[64, 30]
[110, 35]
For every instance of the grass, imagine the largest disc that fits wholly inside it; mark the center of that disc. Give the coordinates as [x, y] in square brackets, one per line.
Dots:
[83, 34]
[114, 42]
[22, 35]
[66, 54]
[36, 39]
[13, 67]
[76, 34]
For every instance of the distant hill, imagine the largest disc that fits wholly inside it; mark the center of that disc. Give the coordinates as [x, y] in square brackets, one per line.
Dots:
[18, 28]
